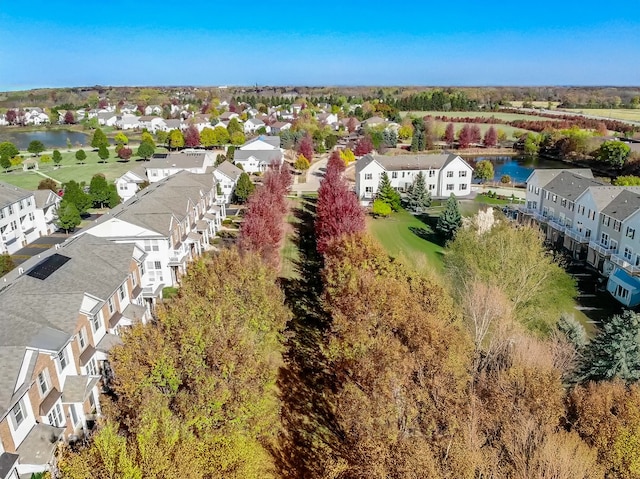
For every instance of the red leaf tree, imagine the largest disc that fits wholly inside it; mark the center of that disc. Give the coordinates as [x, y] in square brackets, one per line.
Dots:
[364, 146]
[476, 134]
[465, 138]
[11, 116]
[352, 124]
[490, 137]
[450, 133]
[305, 148]
[69, 118]
[191, 137]
[338, 210]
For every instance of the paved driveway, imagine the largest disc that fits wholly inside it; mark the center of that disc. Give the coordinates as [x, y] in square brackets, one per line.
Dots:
[38, 246]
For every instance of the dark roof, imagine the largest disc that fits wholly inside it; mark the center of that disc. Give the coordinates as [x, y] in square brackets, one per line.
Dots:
[7, 463]
[48, 266]
[623, 205]
[570, 185]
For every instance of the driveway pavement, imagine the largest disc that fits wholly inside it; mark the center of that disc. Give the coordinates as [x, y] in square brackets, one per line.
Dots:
[313, 176]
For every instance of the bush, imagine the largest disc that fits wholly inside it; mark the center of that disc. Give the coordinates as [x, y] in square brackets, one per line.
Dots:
[125, 153]
[169, 292]
[505, 179]
[380, 208]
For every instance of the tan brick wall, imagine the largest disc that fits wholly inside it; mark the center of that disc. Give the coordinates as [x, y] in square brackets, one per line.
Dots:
[44, 361]
[5, 436]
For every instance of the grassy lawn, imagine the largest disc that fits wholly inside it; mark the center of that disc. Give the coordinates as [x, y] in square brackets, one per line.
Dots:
[69, 169]
[405, 236]
[536, 104]
[619, 114]
[477, 114]
[290, 253]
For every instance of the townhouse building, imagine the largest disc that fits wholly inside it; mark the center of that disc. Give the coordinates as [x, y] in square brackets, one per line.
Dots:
[172, 221]
[227, 175]
[22, 218]
[258, 153]
[61, 314]
[594, 221]
[163, 165]
[444, 174]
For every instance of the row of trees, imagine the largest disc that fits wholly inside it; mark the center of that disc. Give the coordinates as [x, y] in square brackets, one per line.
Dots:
[194, 391]
[76, 202]
[262, 229]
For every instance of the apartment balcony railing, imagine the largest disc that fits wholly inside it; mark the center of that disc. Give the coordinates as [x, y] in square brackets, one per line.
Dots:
[577, 236]
[540, 217]
[624, 264]
[555, 224]
[604, 250]
[9, 237]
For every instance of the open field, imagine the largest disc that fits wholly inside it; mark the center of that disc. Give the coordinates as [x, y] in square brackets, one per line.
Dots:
[616, 114]
[536, 104]
[69, 169]
[476, 114]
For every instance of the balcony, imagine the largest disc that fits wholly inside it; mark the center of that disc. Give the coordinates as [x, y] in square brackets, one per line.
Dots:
[555, 224]
[577, 236]
[176, 257]
[624, 264]
[9, 237]
[539, 217]
[604, 250]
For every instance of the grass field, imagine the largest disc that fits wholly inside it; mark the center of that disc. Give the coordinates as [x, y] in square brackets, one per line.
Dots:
[618, 114]
[536, 104]
[476, 114]
[69, 169]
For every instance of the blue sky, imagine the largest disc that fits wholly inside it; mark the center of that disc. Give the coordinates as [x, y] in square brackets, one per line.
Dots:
[114, 42]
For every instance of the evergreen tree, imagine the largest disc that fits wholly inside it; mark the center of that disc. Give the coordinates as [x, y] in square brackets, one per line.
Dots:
[74, 193]
[387, 194]
[450, 219]
[99, 139]
[614, 352]
[57, 157]
[5, 163]
[244, 188]
[573, 331]
[419, 197]
[103, 153]
[68, 216]
[146, 150]
[113, 198]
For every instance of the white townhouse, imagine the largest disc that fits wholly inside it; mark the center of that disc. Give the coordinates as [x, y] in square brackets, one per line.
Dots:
[153, 110]
[152, 123]
[258, 153]
[166, 164]
[539, 178]
[61, 314]
[444, 174]
[227, 175]
[107, 118]
[21, 220]
[129, 184]
[172, 221]
[254, 124]
[128, 121]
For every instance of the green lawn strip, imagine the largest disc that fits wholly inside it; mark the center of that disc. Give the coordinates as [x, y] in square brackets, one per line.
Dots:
[615, 113]
[289, 253]
[476, 114]
[402, 235]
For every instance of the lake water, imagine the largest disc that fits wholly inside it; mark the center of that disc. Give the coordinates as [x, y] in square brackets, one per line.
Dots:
[517, 167]
[50, 139]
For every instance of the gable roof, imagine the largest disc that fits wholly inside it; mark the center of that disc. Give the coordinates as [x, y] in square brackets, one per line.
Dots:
[624, 205]
[272, 140]
[10, 194]
[409, 162]
[229, 170]
[183, 159]
[570, 185]
[544, 176]
[45, 198]
[266, 156]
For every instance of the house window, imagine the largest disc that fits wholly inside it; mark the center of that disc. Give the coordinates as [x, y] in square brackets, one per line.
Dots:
[545, 211]
[631, 232]
[592, 215]
[554, 198]
[462, 174]
[432, 187]
[96, 322]
[604, 239]
[368, 176]
[546, 195]
[142, 269]
[462, 186]
[43, 382]
[92, 368]
[157, 264]
[432, 173]
[63, 359]
[74, 414]
[581, 210]
[450, 187]
[394, 174]
[112, 305]
[616, 225]
[628, 253]
[134, 280]
[14, 225]
[121, 291]
[563, 202]
[154, 173]
[605, 220]
[537, 190]
[55, 416]
[449, 174]
[18, 414]
[587, 233]
[20, 205]
[621, 292]
[10, 208]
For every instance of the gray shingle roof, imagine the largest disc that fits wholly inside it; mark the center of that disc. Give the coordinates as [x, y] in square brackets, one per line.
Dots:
[44, 198]
[570, 185]
[183, 159]
[273, 140]
[229, 170]
[624, 205]
[9, 194]
[544, 176]
[406, 162]
[266, 156]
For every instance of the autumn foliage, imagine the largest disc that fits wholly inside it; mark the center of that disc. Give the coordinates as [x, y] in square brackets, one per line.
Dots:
[338, 209]
[263, 227]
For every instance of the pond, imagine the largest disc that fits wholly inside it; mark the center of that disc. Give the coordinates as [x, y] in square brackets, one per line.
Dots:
[50, 138]
[517, 167]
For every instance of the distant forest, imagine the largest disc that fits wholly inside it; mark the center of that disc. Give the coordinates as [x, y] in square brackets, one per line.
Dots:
[400, 98]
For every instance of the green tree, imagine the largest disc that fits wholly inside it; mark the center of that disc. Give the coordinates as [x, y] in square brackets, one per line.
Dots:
[244, 188]
[113, 198]
[103, 153]
[74, 193]
[162, 136]
[45, 159]
[146, 150]
[614, 152]
[237, 138]
[68, 216]
[450, 219]
[8, 150]
[99, 139]
[628, 180]
[531, 144]
[6, 264]
[146, 136]
[614, 352]
[234, 126]
[387, 193]
[419, 197]
[221, 136]
[484, 170]
[207, 137]
[176, 139]
[380, 208]
[5, 163]
[99, 190]
[48, 184]
[301, 163]
[121, 139]
[36, 147]
[81, 156]
[57, 157]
